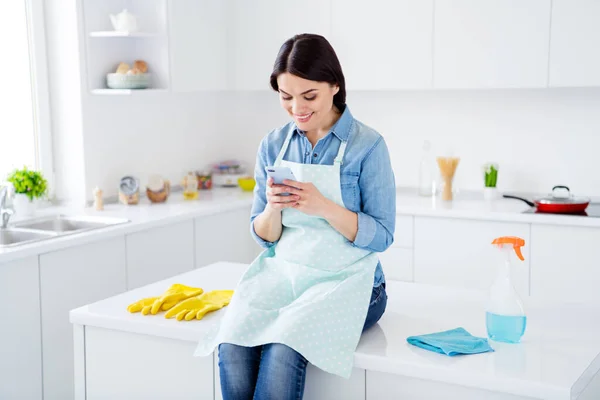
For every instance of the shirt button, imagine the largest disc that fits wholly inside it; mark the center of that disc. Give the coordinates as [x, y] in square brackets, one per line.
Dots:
[314, 155]
[307, 153]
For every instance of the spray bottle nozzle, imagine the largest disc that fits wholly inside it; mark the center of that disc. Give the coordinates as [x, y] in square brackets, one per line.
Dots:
[515, 242]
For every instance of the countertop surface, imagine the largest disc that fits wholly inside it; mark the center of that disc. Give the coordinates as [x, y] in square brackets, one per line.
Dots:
[472, 205]
[557, 358]
[467, 205]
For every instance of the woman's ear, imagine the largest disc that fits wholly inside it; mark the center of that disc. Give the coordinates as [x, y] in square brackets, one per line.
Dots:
[336, 89]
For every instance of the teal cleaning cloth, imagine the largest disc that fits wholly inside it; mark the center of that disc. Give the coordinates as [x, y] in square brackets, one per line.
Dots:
[451, 343]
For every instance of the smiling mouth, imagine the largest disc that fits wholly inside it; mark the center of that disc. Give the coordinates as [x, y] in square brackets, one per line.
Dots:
[303, 117]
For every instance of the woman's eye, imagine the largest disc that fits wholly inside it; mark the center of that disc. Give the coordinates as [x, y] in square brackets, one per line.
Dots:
[286, 98]
[311, 98]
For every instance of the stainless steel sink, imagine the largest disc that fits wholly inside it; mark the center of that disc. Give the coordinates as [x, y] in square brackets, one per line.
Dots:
[14, 236]
[69, 224]
[28, 231]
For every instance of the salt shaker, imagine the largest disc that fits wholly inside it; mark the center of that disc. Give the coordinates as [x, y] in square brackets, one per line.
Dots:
[98, 202]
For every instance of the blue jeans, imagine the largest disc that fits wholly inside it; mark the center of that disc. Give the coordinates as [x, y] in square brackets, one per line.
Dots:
[274, 370]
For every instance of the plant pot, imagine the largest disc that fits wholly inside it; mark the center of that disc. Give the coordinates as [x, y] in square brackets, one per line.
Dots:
[490, 193]
[23, 206]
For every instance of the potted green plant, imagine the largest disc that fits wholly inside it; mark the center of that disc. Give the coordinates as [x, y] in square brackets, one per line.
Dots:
[29, 186]
[490, 172]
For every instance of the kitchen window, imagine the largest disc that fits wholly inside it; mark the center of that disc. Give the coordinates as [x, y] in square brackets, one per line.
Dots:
[25, 137]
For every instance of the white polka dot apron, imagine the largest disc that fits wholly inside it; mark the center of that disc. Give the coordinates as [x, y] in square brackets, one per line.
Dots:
[310, 291]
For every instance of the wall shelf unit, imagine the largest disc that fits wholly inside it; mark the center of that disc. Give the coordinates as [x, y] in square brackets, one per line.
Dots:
[116, 34]
[106, 48]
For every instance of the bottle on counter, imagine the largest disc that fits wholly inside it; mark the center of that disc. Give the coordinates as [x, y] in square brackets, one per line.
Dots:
[190, 186]
[505, 316]
[427, 184]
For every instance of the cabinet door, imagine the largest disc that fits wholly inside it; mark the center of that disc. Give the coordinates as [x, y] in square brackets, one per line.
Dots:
[459, 253]
[20, 335]
[575, 33]
[159, 253]
[225, 237]
[491, 44]
[386, 386]
[259, 29]
[198, 45]
[397, 264]
[383, 44]
[72, 278]
[565, 262]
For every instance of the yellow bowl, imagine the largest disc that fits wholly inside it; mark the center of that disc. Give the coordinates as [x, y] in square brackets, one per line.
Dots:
[247, 184]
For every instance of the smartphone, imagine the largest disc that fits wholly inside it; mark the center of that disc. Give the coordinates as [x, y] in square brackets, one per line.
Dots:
[279, 174]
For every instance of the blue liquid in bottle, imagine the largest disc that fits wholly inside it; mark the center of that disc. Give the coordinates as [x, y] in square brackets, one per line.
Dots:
[505, 328]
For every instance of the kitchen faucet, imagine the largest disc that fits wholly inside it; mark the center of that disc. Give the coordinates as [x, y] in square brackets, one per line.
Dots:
[5, 213]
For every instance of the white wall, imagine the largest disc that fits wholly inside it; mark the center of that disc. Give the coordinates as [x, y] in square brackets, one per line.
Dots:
[540, 138]
[141, 135]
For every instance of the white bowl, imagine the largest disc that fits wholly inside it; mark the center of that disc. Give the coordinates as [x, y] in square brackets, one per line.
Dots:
[128, 81]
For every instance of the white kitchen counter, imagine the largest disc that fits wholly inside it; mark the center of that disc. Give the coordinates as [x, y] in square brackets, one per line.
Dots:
[146, 215]
[470, 205]
[558, 358]
[142, 216]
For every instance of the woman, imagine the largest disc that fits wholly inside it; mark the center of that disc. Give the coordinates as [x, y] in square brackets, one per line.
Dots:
[319, 284]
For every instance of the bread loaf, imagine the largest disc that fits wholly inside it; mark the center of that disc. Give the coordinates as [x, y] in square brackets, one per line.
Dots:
[140, 67]
[122, 68]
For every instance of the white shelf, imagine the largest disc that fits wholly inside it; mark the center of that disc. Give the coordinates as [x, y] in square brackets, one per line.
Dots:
[117, 34]
[121, 92]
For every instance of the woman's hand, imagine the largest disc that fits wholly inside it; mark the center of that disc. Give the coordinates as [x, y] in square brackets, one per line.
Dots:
[308, 198]
[274, 198]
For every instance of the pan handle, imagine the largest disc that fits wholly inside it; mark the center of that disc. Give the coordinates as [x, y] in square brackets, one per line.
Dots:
[508, 196]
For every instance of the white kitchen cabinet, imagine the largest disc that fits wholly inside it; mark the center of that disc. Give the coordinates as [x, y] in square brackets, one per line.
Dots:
[397, 260]
[459, 253]
[397, 264]
[72, 278]
[20, 335]
[199, 45]
[382, 44]
[385, 386]
[159, 253]
[259, 29]
[575, 33]
[145, 367]
[225, 237]
[565, 262]
[491, 43]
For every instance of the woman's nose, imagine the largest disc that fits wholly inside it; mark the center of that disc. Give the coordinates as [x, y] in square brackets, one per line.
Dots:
[298, 106]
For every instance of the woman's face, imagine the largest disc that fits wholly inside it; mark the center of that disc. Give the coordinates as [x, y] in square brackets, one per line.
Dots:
[308, 102]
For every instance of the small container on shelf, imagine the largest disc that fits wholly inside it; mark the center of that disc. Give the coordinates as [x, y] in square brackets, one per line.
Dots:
[227, 173]
[129, 190]
[136, 77]
[158, 189]
[204, 180]
[490, 173]
[190, 186]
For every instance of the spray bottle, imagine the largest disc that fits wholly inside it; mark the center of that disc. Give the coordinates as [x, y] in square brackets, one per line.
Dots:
[505, 316]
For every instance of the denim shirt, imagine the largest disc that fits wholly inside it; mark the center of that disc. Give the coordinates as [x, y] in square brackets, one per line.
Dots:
[367, 178]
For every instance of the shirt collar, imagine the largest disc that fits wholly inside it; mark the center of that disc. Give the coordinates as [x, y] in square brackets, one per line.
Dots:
[341, 128]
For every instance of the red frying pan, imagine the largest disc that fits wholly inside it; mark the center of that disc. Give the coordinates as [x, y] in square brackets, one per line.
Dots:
[559, 202]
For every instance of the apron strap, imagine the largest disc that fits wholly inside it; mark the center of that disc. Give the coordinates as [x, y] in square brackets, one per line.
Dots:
[284, 148]
[339, 159]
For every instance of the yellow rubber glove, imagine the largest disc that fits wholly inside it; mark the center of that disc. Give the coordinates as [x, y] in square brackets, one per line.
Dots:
[145, 305]
[174, 294]
[198, 306]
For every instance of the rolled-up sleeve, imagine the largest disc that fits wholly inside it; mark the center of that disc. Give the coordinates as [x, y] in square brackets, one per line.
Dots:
[260, 197]
[377, 216]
